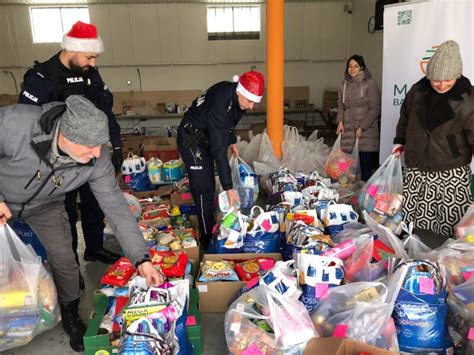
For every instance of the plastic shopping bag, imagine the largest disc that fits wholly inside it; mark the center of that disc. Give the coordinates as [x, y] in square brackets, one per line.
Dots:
[420, 311]
[465, 227]
[28, 300]
[334, 216]
[264, 233]
[342, 167]
[135, 173]
[382, 195]
[266, 323]
[361, 311]
[228, 236]
[245, 182]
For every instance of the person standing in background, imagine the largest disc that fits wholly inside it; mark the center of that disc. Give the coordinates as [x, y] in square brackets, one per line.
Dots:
[358, 114]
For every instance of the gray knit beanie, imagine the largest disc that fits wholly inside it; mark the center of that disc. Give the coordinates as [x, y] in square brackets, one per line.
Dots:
[446, 63]
[83, 123]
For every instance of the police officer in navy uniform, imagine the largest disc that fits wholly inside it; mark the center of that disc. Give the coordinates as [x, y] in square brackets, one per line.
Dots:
[72, 71]
[204, 135]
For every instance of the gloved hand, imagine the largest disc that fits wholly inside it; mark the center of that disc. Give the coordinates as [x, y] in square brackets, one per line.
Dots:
[398, 149]
[117, 159]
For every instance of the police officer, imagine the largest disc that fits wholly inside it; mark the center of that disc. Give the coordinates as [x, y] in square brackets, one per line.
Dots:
[204, 135]
[72, 71]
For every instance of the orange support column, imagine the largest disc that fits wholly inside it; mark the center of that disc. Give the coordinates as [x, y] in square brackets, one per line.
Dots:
[275, 70]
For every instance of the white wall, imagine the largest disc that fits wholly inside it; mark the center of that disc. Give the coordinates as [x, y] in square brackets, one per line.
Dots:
[168, 42]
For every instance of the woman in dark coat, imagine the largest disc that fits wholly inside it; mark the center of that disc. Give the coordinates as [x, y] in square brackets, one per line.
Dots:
[436, 132]
[358, 114]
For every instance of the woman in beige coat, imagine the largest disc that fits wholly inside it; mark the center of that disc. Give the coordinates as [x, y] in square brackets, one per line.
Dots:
[358, 114]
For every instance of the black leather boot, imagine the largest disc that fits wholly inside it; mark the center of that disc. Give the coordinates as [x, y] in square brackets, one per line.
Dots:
[103, 255]
[73, 325]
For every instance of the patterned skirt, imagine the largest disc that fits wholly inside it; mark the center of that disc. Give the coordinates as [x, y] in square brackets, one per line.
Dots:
[436, 200]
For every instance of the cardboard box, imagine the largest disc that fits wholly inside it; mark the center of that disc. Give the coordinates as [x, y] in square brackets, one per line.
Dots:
[161, 192]
[216, 296]
[193, 253]
[132, 144]
[163, 148]
[341, 346]
[181, 198]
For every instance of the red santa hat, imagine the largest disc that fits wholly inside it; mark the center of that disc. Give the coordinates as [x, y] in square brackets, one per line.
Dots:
[83, 38]
[251, 85]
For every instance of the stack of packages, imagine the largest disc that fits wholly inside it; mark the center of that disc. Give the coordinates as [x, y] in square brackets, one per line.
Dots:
[153, 320]
[339, 278]
[142, 175]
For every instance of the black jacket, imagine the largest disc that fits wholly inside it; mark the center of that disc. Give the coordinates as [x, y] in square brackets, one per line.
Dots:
[52, 81]
[437, 129]
[216, 112]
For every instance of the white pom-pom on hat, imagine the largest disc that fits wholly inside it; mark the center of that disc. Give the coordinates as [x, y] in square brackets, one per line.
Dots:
[235, 78]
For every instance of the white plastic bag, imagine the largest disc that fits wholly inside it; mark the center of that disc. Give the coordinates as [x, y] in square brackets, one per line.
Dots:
[28, 299]
[264, 321]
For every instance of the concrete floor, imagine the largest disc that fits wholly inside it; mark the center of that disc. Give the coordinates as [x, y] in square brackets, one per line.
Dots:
[55, 341]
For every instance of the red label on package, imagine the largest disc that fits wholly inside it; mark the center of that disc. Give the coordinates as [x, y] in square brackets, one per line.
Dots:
[340, 331]
[252, 350]
[190, 321]
[322, 291]
[426, 285]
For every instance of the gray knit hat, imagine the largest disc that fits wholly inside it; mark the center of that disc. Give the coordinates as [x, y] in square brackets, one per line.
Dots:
[446, 63]
[83, 123]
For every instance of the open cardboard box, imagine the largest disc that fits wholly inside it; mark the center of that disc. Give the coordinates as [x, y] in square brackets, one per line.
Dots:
[163, 148]
[181, 198]
[215, 296]
[193, 253]
[341, 346]
[161, 192]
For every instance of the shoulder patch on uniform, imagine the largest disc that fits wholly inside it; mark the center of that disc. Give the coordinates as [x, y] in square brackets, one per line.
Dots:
[30, 96]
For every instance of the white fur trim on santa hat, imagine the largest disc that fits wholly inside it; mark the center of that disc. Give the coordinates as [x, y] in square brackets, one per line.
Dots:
[247, 94]
[86, 45]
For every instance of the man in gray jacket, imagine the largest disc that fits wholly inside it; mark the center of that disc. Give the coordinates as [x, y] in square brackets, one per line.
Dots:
[46, 152]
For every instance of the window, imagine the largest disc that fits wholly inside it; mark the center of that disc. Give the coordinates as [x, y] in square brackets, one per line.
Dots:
[233, 22]
[48, 24]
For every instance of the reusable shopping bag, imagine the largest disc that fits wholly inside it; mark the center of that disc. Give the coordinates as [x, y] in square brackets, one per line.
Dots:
[264, 233]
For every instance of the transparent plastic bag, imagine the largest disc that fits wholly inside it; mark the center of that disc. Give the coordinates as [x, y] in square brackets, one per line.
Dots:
[382, 195]
[250, 154]
[265, 153]
[465, 227]
[268, 322]
[28, 299]
[342, 167]
[245, 182]
[359, 266]
[361, 311]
